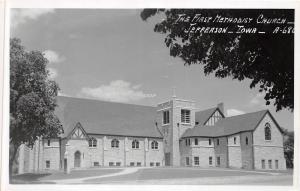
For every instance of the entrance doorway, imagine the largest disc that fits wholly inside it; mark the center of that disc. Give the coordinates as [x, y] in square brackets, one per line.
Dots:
[167, 159]
[77, 159]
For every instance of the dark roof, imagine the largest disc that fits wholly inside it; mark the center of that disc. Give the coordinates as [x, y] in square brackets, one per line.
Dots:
[107, 118]
[202, 116]
[228, 126]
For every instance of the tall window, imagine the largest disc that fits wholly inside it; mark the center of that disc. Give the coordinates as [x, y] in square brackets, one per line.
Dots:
[48, 142]
[189, 140]
[196, 161]
[185, 116]
[247, 142]
[218, 141]
[276, 164]
[135, 144]
[209, 141]
[154, 145]
[92, 142]
[166, 117]
[210, 160]
[263, 164]
[267, 131]
[234, 140]
[47, 163]
[270, 164]
[115, 143]
[196, 141]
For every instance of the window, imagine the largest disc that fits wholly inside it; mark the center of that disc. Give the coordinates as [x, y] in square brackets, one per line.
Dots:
[118, 163]
[154, 145]
[247, 141]
[92, 142]
[138, 164]
[196, 161]
[189, 141]
[135, 144]
[196, 141]
[151, 163]
[186, 142]
[187, 161]
[131, 163]
[158, 164]
[115, 143]
[270, 164]
[218, 161]
[111, 163]
[96, 163]
[276, 164]
[210, 160]
[218, 142]
[47, 163]
[267, 132]
[166, 117]
[185, 116]
[234, 140]
[209, 141]
[263, 164]
[48, 142]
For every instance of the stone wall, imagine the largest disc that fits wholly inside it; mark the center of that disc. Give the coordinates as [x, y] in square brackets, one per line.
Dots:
[234, 151]
[268, 149]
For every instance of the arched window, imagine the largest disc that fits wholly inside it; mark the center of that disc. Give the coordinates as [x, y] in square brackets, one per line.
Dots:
[267, 131]
[135, 144]
[247, 141]
[154, 145]
[92, 142]
[115, 143]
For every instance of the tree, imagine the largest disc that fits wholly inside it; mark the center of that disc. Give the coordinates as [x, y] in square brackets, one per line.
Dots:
[266, 59]
[288, 146]
[32, 99]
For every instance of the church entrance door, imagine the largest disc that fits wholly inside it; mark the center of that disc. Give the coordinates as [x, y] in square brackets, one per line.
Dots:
[77, 159]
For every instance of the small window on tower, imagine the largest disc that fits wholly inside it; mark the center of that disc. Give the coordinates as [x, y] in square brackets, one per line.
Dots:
[185, 116]
[166, 117]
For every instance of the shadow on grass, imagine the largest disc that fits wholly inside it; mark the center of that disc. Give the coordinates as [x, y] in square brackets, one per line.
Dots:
[29, 178]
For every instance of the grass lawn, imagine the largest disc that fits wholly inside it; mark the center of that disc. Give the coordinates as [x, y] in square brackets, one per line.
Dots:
[47, 177]
[181, 173]
[162, 175]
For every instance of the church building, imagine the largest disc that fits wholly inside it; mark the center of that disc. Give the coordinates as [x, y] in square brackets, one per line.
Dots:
[174, 133]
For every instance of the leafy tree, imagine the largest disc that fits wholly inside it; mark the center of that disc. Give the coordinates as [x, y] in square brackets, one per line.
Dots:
[288, 146]
[266, 59]
[32, 99]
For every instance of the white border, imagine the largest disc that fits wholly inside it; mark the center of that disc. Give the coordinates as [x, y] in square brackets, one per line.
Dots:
[143, 4]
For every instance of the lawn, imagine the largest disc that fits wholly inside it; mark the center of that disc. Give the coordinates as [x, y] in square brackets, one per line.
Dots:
[47, 177]
[180, 175]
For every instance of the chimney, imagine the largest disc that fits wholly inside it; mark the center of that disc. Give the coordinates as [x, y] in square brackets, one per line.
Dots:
[221, 107]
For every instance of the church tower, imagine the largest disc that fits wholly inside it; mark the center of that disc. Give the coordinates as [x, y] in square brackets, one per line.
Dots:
[174, 117]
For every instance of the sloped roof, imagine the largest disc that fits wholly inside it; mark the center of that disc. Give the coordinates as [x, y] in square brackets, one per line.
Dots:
[228, 126]
[107, 118]
[202, 116]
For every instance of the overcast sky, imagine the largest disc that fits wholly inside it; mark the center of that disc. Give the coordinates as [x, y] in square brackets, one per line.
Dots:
[113, 55]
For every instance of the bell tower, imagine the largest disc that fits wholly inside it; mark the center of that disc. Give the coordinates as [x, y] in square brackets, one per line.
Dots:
[174, 117]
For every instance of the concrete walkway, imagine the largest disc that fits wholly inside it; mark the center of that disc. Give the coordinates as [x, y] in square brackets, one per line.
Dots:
[81, 180]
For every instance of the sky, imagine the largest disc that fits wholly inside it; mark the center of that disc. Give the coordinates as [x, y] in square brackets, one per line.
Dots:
[113, 55]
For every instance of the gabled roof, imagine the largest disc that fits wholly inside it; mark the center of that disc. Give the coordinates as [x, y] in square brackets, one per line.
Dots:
[202, 116]
[107, 118]
[228, 126]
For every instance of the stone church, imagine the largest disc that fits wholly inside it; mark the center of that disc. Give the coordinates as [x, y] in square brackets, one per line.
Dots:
[174, 133]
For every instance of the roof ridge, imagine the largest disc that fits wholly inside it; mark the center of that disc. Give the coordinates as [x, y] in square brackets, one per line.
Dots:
[91, 99]
[265, 110]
